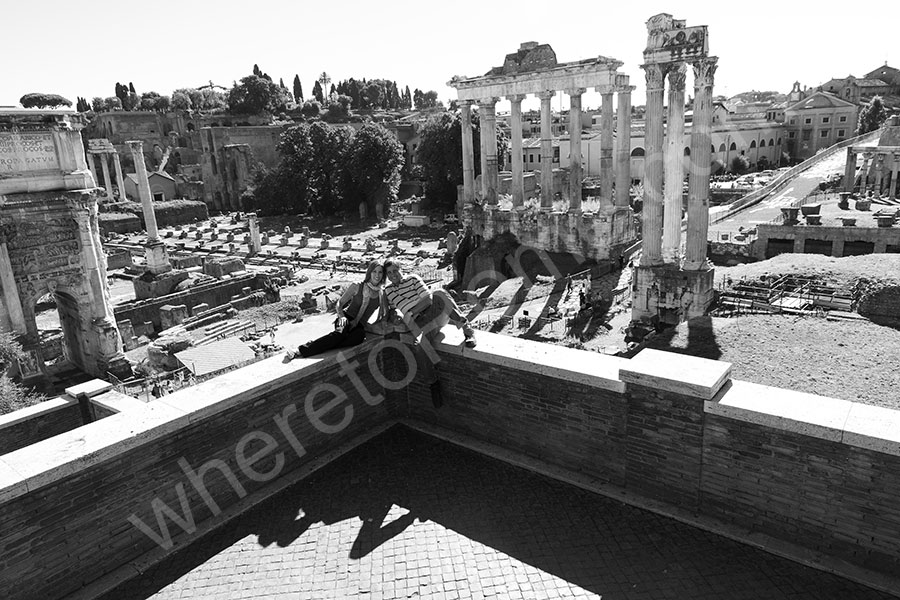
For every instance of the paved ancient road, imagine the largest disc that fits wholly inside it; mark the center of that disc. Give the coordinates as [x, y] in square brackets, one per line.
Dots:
[407, 516]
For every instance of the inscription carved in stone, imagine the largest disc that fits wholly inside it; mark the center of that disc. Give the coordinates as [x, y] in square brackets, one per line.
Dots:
[24, 152]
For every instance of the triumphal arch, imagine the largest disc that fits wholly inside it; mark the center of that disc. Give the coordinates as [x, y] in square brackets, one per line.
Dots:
[50, 242]
[558, 222]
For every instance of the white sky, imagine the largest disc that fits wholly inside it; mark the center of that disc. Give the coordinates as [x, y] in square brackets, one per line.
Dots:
[82, 49]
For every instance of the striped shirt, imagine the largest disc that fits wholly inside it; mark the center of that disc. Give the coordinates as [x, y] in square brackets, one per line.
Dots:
[406, 294]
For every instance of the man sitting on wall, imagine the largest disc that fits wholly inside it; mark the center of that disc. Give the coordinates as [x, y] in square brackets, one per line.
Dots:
[426, 313]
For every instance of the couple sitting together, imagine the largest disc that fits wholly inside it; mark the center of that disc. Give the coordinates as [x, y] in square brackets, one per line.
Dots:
[422, 311]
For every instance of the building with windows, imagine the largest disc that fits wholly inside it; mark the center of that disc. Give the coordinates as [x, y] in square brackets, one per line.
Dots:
[817, 122]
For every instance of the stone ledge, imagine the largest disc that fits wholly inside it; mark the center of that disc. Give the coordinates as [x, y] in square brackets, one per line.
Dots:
[678, 373]
[873, 428]
[785, 410]
[45, 462]
[34, 411]
[587, 368]
[92, 388]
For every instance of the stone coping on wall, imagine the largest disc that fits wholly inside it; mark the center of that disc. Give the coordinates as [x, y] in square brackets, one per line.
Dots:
[50, 460]
[678, 373]
[588, 368]
[34, 411]
[872, 427]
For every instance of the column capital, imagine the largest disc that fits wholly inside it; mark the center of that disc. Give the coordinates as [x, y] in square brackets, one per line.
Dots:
[488, 102]
[466, 103]
[677, 74]
[136, 146]
[516, 97]
[575, 91]
[625, 89]
[705, 71]
[655, 75]
[545, 95]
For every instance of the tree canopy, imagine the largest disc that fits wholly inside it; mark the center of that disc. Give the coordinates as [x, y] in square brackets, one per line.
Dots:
[325, 169]
[40, 100]
[439, 155]
[872, 116]
[255, 94]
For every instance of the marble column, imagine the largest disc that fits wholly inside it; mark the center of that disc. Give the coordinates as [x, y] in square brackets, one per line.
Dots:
[92, 168]
[482, 158]
[546, 151]
[490, 177]
[137, 153]
[653, 167]
[895, 172]
[864, 176]
[698, 190]
[107, 180]
[468, 152]
[606, 146]
[518, 161]
[850, 170]
[155, 251]
[623, 150]
[11, 298]
[674, 161]
[120, 181]
[576, 172]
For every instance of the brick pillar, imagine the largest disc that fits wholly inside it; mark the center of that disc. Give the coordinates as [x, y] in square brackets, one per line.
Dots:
[653, 167]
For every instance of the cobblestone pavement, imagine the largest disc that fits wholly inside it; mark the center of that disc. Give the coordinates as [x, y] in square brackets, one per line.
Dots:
[408, 516]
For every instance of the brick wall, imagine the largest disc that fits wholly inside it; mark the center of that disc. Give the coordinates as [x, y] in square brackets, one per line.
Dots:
[818, 473]
[57, 417]
[60, 536]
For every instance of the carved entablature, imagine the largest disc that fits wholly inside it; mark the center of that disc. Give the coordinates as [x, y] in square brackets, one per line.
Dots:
[669, 40]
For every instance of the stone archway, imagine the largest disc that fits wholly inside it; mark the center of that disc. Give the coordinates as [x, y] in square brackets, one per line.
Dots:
[50, 243]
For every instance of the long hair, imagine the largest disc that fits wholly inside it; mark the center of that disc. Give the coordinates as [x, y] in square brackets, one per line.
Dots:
[372, 266]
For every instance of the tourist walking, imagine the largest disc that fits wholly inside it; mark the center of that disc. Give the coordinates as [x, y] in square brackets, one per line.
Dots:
[354, 309]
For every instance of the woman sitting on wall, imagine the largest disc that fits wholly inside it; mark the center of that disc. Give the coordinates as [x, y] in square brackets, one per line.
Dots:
[356, 306]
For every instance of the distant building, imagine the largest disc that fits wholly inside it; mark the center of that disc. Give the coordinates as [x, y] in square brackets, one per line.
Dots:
[817, 122]
[162, 186]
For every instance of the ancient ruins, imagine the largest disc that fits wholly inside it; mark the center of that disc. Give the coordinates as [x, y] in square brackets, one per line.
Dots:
[534, 69]
[668, 287]
[50, 242]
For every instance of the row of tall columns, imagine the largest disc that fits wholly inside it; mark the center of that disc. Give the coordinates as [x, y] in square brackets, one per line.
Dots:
[575, 168]
[653, 168]
[674, 157]
[701, 154]
[104, 164]
[662, 235]
[879, 162]
[621, 174]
